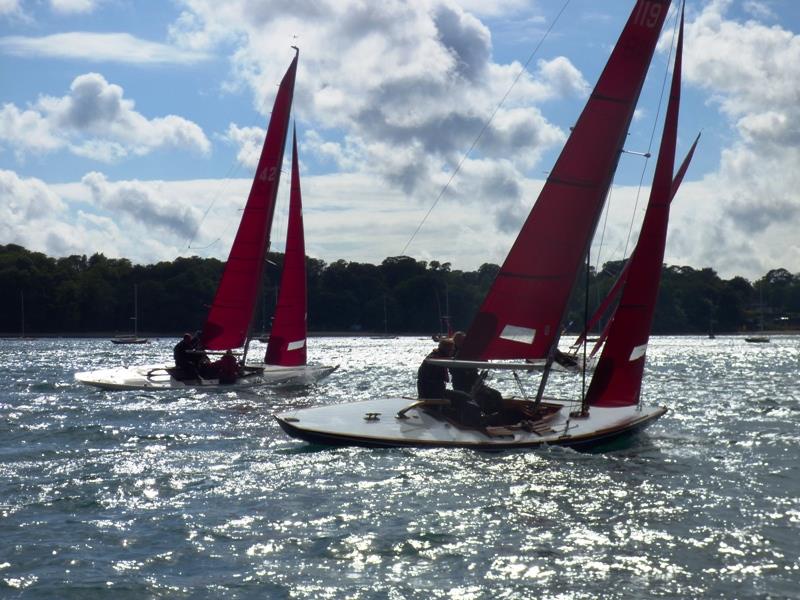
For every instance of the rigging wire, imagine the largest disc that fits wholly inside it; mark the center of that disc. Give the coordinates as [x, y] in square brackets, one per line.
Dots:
[653, 132]
[647, 155]
[233, 169]
[485, 127]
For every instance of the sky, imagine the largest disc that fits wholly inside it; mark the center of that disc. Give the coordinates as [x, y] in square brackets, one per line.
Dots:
[133, 128]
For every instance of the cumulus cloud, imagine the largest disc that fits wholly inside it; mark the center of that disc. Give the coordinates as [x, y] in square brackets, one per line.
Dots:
[95, 120]
[73, 6]
[144, 221]
[10, 7]
[400, 89]
[751, 70]
[99, 47]
[249, 140]
[144, 205]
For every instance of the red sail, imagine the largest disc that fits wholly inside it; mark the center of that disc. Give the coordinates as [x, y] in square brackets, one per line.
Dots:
[617, 379]
[604, 305]
[620, 282]
[287, 339]
[522, 313]
[228, 322]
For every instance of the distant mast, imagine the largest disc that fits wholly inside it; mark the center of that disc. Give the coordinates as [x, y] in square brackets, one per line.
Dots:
[22, 314]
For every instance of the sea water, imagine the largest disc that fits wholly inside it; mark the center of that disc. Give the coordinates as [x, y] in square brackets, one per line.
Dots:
[200, 494]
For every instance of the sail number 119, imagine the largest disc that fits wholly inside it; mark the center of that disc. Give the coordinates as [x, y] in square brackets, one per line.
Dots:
[648, 14]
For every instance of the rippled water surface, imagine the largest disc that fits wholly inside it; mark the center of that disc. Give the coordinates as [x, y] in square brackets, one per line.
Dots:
[131, 495]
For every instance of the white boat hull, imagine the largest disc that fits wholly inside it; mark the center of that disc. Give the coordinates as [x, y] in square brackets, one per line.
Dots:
[156, 377]
[375, 423]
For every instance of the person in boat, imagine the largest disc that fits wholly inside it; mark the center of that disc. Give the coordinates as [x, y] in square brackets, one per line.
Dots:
[227, 368]
[183, 354]
[198, 356]
[471, 382]
[432, 385]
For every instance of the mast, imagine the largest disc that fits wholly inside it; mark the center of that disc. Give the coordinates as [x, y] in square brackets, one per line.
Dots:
[135, 310]
[385, 317]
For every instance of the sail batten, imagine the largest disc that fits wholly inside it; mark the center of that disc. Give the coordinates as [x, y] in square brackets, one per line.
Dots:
[549, 250]
[231, 313]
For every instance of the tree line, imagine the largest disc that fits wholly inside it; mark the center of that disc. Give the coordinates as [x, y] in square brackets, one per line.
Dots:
[80, 295]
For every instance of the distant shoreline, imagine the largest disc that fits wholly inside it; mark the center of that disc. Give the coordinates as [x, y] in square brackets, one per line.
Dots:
[368, 334]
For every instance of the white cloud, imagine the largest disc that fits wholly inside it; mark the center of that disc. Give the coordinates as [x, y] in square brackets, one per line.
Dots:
[95, 120]
[143, 205]
[28, 210]
[145, 221]
[74, 6]
[10, 7]
[751, 70]
[250, 140]
[399, 89]
[758, 9]
[99, 47]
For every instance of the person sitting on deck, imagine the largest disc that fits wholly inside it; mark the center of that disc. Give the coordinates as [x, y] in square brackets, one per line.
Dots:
[468, 380]
[198, 356]
[228, 368]
[185, 361]
[432, 384]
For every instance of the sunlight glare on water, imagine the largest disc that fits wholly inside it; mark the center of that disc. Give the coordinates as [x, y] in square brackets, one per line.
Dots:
[176, 494]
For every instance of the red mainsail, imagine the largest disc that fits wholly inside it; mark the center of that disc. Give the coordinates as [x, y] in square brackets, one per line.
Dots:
[287, 339]
[231, 312]
[522, 314]
[617, 379]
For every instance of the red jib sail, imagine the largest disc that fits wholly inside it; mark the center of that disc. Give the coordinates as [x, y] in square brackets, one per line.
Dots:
[613, 293]
[522, 313]
[231, 312]
[617, 379]
[287, 339]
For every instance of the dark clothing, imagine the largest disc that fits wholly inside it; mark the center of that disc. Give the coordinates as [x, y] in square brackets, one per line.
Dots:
[181, 355]
[463, 379]
[431, 379]
[489, 399]
[228, 369]
[470, 382]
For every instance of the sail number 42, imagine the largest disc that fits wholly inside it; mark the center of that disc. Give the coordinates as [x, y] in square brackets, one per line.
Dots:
[268, 174]
[648, 14]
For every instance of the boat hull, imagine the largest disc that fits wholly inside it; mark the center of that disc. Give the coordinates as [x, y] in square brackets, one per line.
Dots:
[156, 377]
[374, 423]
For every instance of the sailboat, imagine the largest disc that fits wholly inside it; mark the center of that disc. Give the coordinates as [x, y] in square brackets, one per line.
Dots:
[386, 335]
[134, 337]
[759, 339]
[521, 317]
[229, 322]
